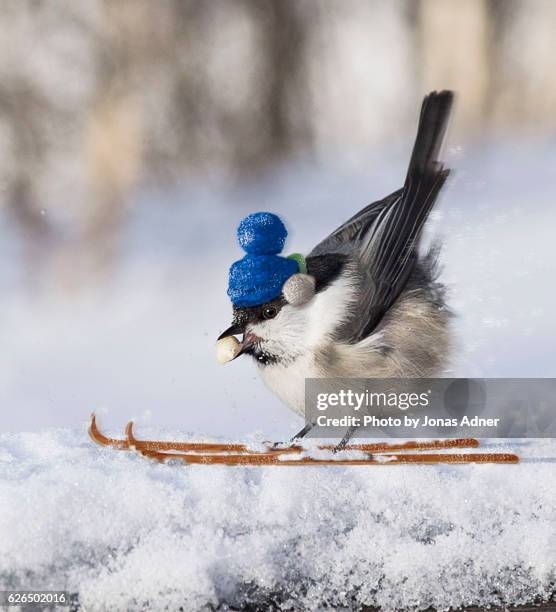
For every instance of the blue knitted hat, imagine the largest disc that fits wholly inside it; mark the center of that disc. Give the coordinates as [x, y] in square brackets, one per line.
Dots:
[260, 275]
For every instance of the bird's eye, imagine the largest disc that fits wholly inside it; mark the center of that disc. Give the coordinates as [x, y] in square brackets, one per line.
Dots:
[269, 312]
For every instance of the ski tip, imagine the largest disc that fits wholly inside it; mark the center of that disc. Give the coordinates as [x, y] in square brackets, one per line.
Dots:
[93, 431]
[99, 438]
[130, 438]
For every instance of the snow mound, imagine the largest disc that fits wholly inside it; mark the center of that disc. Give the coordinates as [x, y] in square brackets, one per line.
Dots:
[125, 533]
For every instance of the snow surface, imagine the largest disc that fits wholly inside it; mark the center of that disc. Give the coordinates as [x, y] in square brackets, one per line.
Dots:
[128, 534]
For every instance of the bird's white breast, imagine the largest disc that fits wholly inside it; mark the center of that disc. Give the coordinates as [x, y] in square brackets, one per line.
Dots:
[321, 317]
[288, 381]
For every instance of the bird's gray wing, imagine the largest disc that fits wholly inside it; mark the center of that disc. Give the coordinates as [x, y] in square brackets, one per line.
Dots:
[386, 253]
[354, 227]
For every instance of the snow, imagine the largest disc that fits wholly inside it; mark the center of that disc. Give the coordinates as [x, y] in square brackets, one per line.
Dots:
[126, 533]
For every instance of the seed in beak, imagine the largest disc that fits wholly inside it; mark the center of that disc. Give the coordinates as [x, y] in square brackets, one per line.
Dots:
[227, 349]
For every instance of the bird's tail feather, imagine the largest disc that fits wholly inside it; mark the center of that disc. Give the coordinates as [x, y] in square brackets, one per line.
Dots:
[435, 113]
[388, 251]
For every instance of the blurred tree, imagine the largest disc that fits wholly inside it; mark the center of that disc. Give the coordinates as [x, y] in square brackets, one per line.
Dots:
[454, 39]
[113, 132]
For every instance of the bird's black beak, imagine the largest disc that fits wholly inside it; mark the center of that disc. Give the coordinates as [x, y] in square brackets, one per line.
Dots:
[234, 330]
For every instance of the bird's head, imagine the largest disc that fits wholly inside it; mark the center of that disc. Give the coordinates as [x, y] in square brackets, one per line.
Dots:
[271, 333]
[269, 295]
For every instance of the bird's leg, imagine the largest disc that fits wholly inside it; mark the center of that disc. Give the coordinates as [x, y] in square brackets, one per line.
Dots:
[303, 432]
[300, 434]
[346, 438]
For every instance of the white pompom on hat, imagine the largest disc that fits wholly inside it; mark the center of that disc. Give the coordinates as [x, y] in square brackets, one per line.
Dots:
[299, 289]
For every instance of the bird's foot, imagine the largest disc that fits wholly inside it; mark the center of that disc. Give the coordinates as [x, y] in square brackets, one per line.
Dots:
[343, 442]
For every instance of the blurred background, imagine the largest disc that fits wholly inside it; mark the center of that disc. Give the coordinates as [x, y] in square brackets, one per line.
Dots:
[134, 136]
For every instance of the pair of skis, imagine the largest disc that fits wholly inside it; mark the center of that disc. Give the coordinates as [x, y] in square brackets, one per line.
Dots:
[214, 453]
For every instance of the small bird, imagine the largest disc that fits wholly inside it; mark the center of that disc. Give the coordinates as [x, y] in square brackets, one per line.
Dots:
[364, 303]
